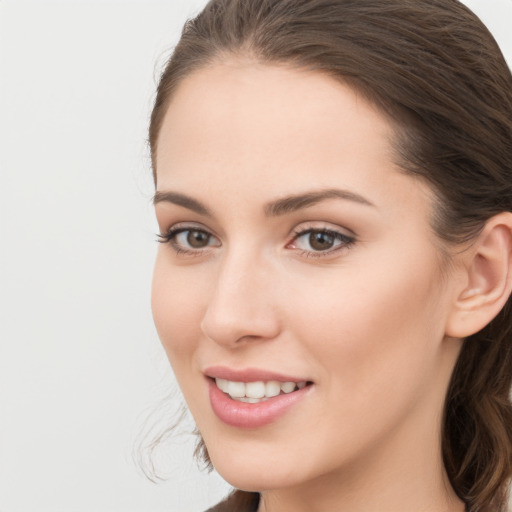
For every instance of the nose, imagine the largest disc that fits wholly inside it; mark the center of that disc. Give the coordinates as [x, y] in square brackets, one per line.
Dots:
[243, 304]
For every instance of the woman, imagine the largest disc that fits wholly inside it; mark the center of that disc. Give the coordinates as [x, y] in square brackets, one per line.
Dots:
[334, 197]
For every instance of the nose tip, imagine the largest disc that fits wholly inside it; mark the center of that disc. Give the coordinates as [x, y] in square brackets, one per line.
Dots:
[229, 328]
[242, 308]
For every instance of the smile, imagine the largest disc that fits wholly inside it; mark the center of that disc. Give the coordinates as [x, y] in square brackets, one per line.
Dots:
[254, 398]
[258, 391]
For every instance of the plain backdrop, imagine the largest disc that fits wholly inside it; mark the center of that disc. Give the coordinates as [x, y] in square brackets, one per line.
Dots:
[81, 367]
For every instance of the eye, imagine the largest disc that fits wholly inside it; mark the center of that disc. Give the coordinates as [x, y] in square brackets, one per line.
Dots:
[319, 242]
[193, 238]
[188, 239]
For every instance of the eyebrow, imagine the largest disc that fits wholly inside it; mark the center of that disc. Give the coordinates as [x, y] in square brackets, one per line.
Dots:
[275, 208]
[299, 201]
[181, 200]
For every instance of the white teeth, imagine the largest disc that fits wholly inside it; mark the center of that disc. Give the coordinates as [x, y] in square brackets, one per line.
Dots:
[288, 387]
[236, 389]
[250, 400]
[222, 384]
[272, 388]
[255, 389]
[253, 392]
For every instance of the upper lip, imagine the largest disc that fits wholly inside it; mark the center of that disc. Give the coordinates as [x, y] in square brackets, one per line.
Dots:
[248, 375]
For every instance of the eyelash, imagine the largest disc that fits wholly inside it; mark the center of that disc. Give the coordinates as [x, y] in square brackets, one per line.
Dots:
[346, 241]
[170, 238]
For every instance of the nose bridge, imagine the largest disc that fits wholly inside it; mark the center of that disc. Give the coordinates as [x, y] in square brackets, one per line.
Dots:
[242, 305]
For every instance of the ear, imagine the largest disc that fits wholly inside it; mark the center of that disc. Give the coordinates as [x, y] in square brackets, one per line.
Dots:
[486, 280]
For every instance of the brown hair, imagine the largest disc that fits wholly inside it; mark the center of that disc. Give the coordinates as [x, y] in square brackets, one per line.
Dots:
[437, 72]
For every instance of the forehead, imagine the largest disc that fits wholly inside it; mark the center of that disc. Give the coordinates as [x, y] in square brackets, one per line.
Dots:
[260, 131]
[251, 111]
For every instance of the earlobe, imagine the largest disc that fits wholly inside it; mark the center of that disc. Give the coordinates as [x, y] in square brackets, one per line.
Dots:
[487, 280]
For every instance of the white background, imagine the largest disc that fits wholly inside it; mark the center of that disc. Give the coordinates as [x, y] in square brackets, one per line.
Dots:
[80, 362]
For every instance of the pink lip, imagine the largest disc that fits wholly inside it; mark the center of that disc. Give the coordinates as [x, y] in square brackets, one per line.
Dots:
[245, 415]
[248, 375]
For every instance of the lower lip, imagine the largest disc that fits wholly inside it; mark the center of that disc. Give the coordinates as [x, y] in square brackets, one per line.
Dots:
[245, 415]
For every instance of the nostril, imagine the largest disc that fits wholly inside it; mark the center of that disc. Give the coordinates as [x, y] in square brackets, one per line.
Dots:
[231, 327]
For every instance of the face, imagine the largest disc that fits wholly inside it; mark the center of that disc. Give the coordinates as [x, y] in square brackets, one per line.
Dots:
[299, 269]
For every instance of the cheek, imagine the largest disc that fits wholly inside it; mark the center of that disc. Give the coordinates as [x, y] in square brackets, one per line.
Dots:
[177, 310]
[373, 339]
[379, 325]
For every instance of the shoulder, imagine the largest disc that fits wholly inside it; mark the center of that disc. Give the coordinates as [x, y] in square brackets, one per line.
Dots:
[238, 501]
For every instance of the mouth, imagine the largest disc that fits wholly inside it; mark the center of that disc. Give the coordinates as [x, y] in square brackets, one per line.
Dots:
[257, 391]
[253, 398]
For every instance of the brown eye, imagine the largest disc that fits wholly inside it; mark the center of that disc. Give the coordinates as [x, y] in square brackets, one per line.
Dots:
[198, 239]
[321, 241]
[189, 240]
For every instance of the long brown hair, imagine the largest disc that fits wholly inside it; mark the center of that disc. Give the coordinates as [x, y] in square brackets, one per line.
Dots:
[435, 70]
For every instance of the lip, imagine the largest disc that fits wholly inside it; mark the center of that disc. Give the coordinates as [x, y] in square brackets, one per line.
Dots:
[246, 415]
[249, 375]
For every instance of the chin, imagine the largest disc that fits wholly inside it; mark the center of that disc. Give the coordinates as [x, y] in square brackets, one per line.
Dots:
[258, 478]
[252, 466]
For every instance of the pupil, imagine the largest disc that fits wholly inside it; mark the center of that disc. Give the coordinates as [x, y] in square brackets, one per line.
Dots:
[321, 241]
[197, 239]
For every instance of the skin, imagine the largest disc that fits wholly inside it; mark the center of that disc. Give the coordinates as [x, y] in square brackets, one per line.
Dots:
[366, 322]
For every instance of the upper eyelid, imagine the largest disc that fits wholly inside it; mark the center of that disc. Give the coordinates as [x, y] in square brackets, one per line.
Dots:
[192, 226]
[175, 230]
[300, 228]
[338, 234]
[301, 233]
[307, 226]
